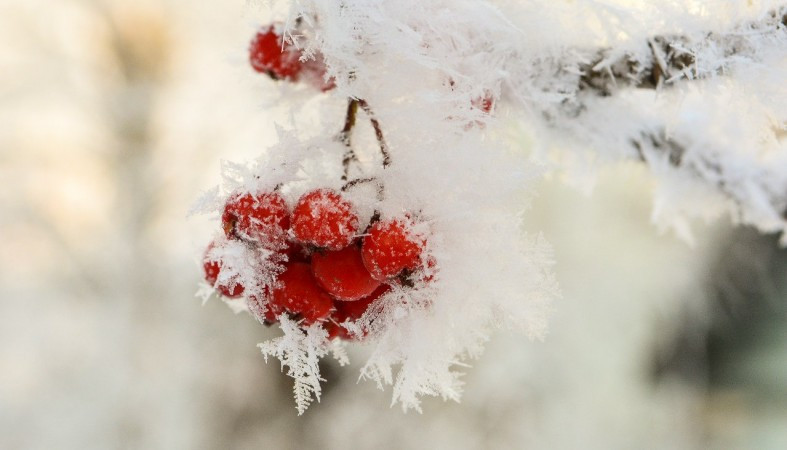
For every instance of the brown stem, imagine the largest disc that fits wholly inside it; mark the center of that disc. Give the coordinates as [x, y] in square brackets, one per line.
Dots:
[345, 137]
[350, 184]
[378, 132]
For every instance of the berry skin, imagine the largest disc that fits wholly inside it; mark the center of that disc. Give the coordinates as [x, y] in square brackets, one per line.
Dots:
[324, 219]
[212, 270]
[485, 104]
[256, 306]
[268, 53]
[389, 248]
[343, 274]
[294, 252]
[335, 330]
[351, 311]
[354, 310]
[314, 74]
[298, 293]
[430, 270]
[262, 217]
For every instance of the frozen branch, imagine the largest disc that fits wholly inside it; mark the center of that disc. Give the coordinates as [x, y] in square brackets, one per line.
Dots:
[622, 104]
[673, 58]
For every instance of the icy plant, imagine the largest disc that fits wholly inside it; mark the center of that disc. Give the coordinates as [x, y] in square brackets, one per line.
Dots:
[431, 89]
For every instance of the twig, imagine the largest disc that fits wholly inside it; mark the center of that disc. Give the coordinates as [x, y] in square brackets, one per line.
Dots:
[658, 142]
[378, 132]
[350, 184]
[671, 59]
[345, 137]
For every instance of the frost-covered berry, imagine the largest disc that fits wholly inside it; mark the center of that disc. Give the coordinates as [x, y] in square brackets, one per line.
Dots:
[298, 293]
[264, 311]
[390, 247]
[212, 269]
[335, 330]
[294, 252]
[354, 310]
[430, 271]
[342, 274]
[351, 311]
[270, 54]
[263, 218]
[324, 219]
[313, 73]
[485, 103]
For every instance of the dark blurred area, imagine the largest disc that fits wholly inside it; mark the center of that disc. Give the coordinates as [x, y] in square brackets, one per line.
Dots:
[737, 349]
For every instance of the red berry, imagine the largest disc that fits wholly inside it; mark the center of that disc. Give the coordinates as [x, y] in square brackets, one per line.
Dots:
[314, 73]
[324, 219]
[269, 53]
[343, 274]
[267, 313]
[294, 252]
[389, 248]
[212, 269]
[335, 330]
[354, 310]
[351, 311]
[430, 270]
[298, 293]
[485, 104]
[261, 217]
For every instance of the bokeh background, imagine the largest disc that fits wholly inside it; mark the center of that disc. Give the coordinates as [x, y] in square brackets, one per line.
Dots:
[114, 116]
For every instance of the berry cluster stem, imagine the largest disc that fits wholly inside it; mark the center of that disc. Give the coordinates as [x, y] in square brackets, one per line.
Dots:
[345, 137]
[378, 132]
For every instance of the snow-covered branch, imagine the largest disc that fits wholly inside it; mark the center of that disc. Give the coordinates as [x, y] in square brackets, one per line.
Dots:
[668, 59]
[716, 144]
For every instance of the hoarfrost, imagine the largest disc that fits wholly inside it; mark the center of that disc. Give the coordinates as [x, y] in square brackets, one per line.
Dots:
[698, 97]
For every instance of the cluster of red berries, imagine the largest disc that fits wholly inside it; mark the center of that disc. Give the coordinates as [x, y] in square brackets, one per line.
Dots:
[333, 268]
[271, 54]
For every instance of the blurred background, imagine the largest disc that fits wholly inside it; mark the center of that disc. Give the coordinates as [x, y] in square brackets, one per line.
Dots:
[114, 116]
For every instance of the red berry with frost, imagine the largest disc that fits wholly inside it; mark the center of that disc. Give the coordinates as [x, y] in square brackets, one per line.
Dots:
[314, 71]
[294, 252]
[351, 311]
[270, 54]
[354, 310]
[212, 268]
[485, 103]
[263, 310]
[324, 219]
[298, 293]
[263, 218]
[430, 271]
[342, 274]
[390, 247]
[335, 330]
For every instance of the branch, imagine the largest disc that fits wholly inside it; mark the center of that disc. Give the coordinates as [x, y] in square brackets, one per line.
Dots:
[673, 58]
[345, 137]
[724, 176]
[378, 132]
[601, 100]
